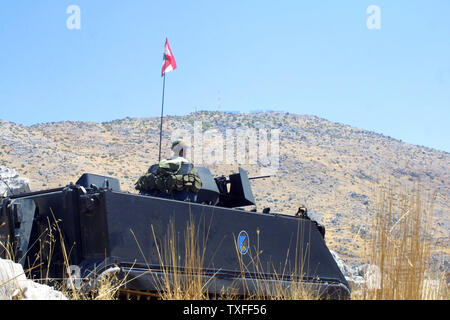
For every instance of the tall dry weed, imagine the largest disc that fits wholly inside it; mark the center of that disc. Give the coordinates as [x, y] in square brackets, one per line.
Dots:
[184, 278]
[400, 248]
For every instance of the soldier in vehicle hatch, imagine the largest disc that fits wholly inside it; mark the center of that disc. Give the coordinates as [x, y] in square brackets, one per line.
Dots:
[174, 178]
[179, 149]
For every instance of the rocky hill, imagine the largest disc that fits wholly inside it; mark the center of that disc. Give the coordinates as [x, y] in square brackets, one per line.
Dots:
[333, 169]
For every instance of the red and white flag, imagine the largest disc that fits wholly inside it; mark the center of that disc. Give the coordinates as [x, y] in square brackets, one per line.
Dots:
[169, 63]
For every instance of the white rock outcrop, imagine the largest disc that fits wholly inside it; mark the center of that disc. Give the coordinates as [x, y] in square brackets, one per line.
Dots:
[11, 183]
[13, 281]
[366, 275]
[14, 285]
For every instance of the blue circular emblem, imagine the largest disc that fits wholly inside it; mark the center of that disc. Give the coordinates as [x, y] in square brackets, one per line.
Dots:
[243, 242]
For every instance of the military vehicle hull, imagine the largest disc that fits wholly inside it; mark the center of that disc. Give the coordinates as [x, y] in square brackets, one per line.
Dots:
[149, 241]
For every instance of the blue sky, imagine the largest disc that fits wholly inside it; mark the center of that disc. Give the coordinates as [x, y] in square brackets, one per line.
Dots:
[315, 57]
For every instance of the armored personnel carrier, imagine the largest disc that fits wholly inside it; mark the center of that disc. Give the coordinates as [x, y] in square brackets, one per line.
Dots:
[147, 240]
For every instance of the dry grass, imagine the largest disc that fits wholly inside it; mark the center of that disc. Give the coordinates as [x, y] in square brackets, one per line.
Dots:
[173, 286]
[269, 290]
[194, 285]
[51, 239]
[401, 248]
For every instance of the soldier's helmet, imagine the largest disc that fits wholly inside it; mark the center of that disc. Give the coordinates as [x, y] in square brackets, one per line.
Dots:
[179, 145]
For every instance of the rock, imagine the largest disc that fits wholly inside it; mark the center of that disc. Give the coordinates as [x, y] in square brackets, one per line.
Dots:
[314, 216]
[350, 274]
[360, 197]
[336, 220]
[14, 285]
[372, 276]
[439, 262]
[359, 230]
[358, 276]
[11, 183]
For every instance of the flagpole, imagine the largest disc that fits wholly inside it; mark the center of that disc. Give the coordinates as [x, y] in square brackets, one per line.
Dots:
[168, 57]
[162, 112]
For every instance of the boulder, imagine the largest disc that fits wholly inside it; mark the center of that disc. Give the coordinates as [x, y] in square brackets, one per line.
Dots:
[11, 183]
[14, 285]
[358, 276]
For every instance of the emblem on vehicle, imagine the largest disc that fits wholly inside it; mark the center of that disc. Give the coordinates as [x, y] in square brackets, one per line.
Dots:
[243, 242]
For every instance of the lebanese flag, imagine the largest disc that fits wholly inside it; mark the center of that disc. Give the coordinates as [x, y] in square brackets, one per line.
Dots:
[169, 63]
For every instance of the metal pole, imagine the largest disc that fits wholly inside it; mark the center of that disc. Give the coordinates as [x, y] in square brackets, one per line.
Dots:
[162, 112]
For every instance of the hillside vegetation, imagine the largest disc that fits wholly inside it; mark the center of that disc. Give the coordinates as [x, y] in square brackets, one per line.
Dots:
[333, 169]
